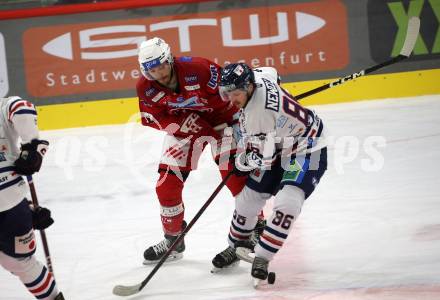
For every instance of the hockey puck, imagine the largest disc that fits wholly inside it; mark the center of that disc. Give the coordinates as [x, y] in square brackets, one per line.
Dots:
[271, 277]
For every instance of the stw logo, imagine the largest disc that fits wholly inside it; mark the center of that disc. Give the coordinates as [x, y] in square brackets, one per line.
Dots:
[62, 45]
[101, 57]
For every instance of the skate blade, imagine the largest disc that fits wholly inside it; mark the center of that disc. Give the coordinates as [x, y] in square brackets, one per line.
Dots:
[256, 282]
[270, 279]
[172, 257]
[215, 270]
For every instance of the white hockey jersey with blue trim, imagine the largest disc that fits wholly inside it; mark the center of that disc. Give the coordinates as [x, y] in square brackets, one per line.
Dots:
[272, 122]
[18, 119]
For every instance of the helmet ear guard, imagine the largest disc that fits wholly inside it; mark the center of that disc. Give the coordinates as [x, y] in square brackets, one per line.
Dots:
[152, 53]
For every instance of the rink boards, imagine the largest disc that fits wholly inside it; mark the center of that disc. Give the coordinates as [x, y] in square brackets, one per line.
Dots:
[119, 111]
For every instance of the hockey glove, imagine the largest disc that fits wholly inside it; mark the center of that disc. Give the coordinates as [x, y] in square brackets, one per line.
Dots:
[41, 218]
[247, 162]
[31, 157]
[236, 171]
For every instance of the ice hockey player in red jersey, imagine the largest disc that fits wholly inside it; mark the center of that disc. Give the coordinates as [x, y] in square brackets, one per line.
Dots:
[18, 120]
[179, 95]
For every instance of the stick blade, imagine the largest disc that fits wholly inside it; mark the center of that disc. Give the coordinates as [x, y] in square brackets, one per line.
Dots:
[411, 36]
[244, 254]
[122, 290]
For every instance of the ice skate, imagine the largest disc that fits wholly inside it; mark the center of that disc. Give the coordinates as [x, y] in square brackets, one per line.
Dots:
[224, 260]
[258, 230]
[154, 253]
[259, 270]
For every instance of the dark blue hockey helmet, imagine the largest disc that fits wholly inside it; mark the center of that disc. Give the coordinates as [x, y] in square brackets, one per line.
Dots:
[235, 76]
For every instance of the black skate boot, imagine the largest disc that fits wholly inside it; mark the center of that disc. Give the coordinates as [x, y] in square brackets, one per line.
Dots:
[225, 259]
[154, 253]
[59, 296]
[259, 268]
[258, 230]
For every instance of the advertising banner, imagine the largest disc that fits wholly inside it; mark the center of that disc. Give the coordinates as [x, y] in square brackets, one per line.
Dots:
[80, 66]
[102, 56]
[388, 21]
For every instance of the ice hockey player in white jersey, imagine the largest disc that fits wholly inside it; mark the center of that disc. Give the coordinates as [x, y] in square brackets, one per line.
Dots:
[283, 149]
[18, 121]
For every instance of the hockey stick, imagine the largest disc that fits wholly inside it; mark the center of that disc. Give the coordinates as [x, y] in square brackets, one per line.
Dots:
[122, 290]
[408, 46]
[42, 233]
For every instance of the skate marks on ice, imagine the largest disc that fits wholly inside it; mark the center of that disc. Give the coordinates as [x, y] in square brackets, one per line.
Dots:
[374, 293]
[428, 233]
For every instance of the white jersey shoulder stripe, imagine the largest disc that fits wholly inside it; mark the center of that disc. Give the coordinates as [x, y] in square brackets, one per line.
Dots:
[21, 106]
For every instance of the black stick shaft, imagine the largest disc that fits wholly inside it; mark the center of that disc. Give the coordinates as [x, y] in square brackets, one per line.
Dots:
[350, 77]
[42, 232]
[185, 231]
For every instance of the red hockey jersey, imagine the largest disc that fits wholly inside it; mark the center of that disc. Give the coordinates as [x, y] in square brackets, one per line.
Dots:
[197, 92]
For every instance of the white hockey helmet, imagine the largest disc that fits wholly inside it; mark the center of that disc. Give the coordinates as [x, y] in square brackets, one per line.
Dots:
[152, 53]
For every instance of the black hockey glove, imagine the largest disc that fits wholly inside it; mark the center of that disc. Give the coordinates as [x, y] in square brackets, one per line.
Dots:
[236, 171]
[31, 157]
[41, 218]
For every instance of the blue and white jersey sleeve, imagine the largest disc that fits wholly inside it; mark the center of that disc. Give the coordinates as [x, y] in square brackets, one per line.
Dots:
[23, 116]
[18, 119]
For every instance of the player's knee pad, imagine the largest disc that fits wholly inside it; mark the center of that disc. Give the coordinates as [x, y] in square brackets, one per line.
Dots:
[247, 209]
[169, 191]
[169, 188]
[287, 207]
[249, 202]
[289, 200]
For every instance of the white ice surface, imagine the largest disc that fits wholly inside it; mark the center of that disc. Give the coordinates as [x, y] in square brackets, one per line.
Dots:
[370, 230]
